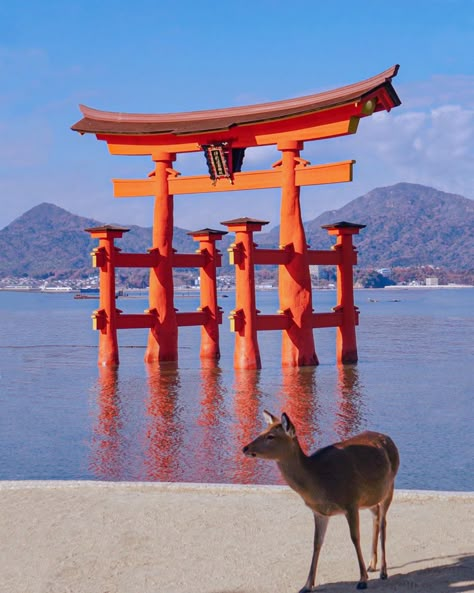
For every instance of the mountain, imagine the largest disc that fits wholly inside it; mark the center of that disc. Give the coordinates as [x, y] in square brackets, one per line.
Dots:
[407, 225]
[49, 240]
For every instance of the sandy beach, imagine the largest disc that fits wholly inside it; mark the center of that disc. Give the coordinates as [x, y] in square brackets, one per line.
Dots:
[96, 537]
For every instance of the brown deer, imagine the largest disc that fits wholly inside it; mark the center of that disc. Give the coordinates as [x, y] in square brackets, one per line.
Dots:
[357, 473]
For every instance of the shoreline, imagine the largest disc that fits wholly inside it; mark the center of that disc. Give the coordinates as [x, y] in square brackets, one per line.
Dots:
[135, 537]
[400, 494]
[195, 291]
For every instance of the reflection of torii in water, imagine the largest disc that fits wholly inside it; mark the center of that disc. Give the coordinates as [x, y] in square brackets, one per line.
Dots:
[106, 446]
[351, 404]
[223, 135]
[154, 443]
[165, 430]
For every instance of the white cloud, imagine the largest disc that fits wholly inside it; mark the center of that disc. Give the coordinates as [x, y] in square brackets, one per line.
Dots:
[438, 90]
[433, 148]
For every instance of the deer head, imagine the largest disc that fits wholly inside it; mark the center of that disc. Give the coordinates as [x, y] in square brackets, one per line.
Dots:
[274, 442]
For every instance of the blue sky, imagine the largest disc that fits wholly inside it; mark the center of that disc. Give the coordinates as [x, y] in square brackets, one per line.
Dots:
[156, 57]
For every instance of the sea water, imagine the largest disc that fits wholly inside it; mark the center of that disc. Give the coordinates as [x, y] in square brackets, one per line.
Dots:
[63, 417]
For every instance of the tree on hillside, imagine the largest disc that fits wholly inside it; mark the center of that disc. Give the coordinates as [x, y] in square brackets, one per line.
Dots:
[373, 279]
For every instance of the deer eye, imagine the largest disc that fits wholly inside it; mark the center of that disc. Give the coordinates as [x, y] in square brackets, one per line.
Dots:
[270, 436]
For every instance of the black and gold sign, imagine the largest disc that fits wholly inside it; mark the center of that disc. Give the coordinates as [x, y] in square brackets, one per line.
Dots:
[217, 161]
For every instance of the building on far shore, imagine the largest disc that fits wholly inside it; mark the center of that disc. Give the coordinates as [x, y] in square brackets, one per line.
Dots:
[431, 281]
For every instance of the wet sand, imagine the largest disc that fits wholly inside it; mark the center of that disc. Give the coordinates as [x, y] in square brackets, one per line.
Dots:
[96, 537]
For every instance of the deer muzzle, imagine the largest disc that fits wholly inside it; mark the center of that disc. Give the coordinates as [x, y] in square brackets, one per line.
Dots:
[247, 452]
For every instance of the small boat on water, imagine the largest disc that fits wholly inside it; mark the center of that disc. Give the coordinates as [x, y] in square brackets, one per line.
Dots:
[80, 296]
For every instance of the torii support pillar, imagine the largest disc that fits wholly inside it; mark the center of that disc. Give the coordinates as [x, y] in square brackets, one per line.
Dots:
[346, 342]
[163, 338]
[105, 318]
[244, 317]
[294, 278]
[208, 283]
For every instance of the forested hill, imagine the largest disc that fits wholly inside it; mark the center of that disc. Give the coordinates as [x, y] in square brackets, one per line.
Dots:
[50, 240]
[407, 225]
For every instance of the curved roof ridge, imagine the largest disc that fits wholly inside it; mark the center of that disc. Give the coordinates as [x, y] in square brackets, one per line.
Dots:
[319, 100]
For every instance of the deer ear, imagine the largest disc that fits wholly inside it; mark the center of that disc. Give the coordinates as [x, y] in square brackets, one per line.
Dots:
[288, 425]
[269, 418]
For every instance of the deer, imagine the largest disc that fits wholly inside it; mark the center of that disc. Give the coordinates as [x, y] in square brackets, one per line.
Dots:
[342, 478]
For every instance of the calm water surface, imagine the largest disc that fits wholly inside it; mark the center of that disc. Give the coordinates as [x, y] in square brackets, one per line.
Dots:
[62, 417]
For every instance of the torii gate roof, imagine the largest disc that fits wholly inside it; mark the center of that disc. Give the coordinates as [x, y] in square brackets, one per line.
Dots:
[378, 88]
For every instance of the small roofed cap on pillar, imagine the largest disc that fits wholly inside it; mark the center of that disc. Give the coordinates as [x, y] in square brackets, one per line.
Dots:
[107, 230]
[251, 224]
[207, 233]
[343, 225]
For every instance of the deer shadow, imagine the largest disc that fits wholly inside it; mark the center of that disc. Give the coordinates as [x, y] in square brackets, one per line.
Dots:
[456, 577]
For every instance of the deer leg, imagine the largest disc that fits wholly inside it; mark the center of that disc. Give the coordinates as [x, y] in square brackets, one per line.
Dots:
[384, 506]
[353, 520]
[375, 538]
[320, 526]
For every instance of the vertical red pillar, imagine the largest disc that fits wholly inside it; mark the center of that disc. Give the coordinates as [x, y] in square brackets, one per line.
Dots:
[244, 317]
[163, 338]
[105, 318]
[346, 343]
[294, 278]
[208, 284]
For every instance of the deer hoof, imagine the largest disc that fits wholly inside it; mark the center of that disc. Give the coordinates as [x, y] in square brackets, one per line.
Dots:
[383, 576]
[361, 585]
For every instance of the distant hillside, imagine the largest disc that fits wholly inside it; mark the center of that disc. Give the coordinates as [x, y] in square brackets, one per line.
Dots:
[50, 240]
[407, 225]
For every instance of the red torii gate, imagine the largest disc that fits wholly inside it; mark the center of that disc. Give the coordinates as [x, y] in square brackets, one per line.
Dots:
[223, 135]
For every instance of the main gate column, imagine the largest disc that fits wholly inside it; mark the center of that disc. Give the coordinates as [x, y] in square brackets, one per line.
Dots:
[294, 277]
[163, 337]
